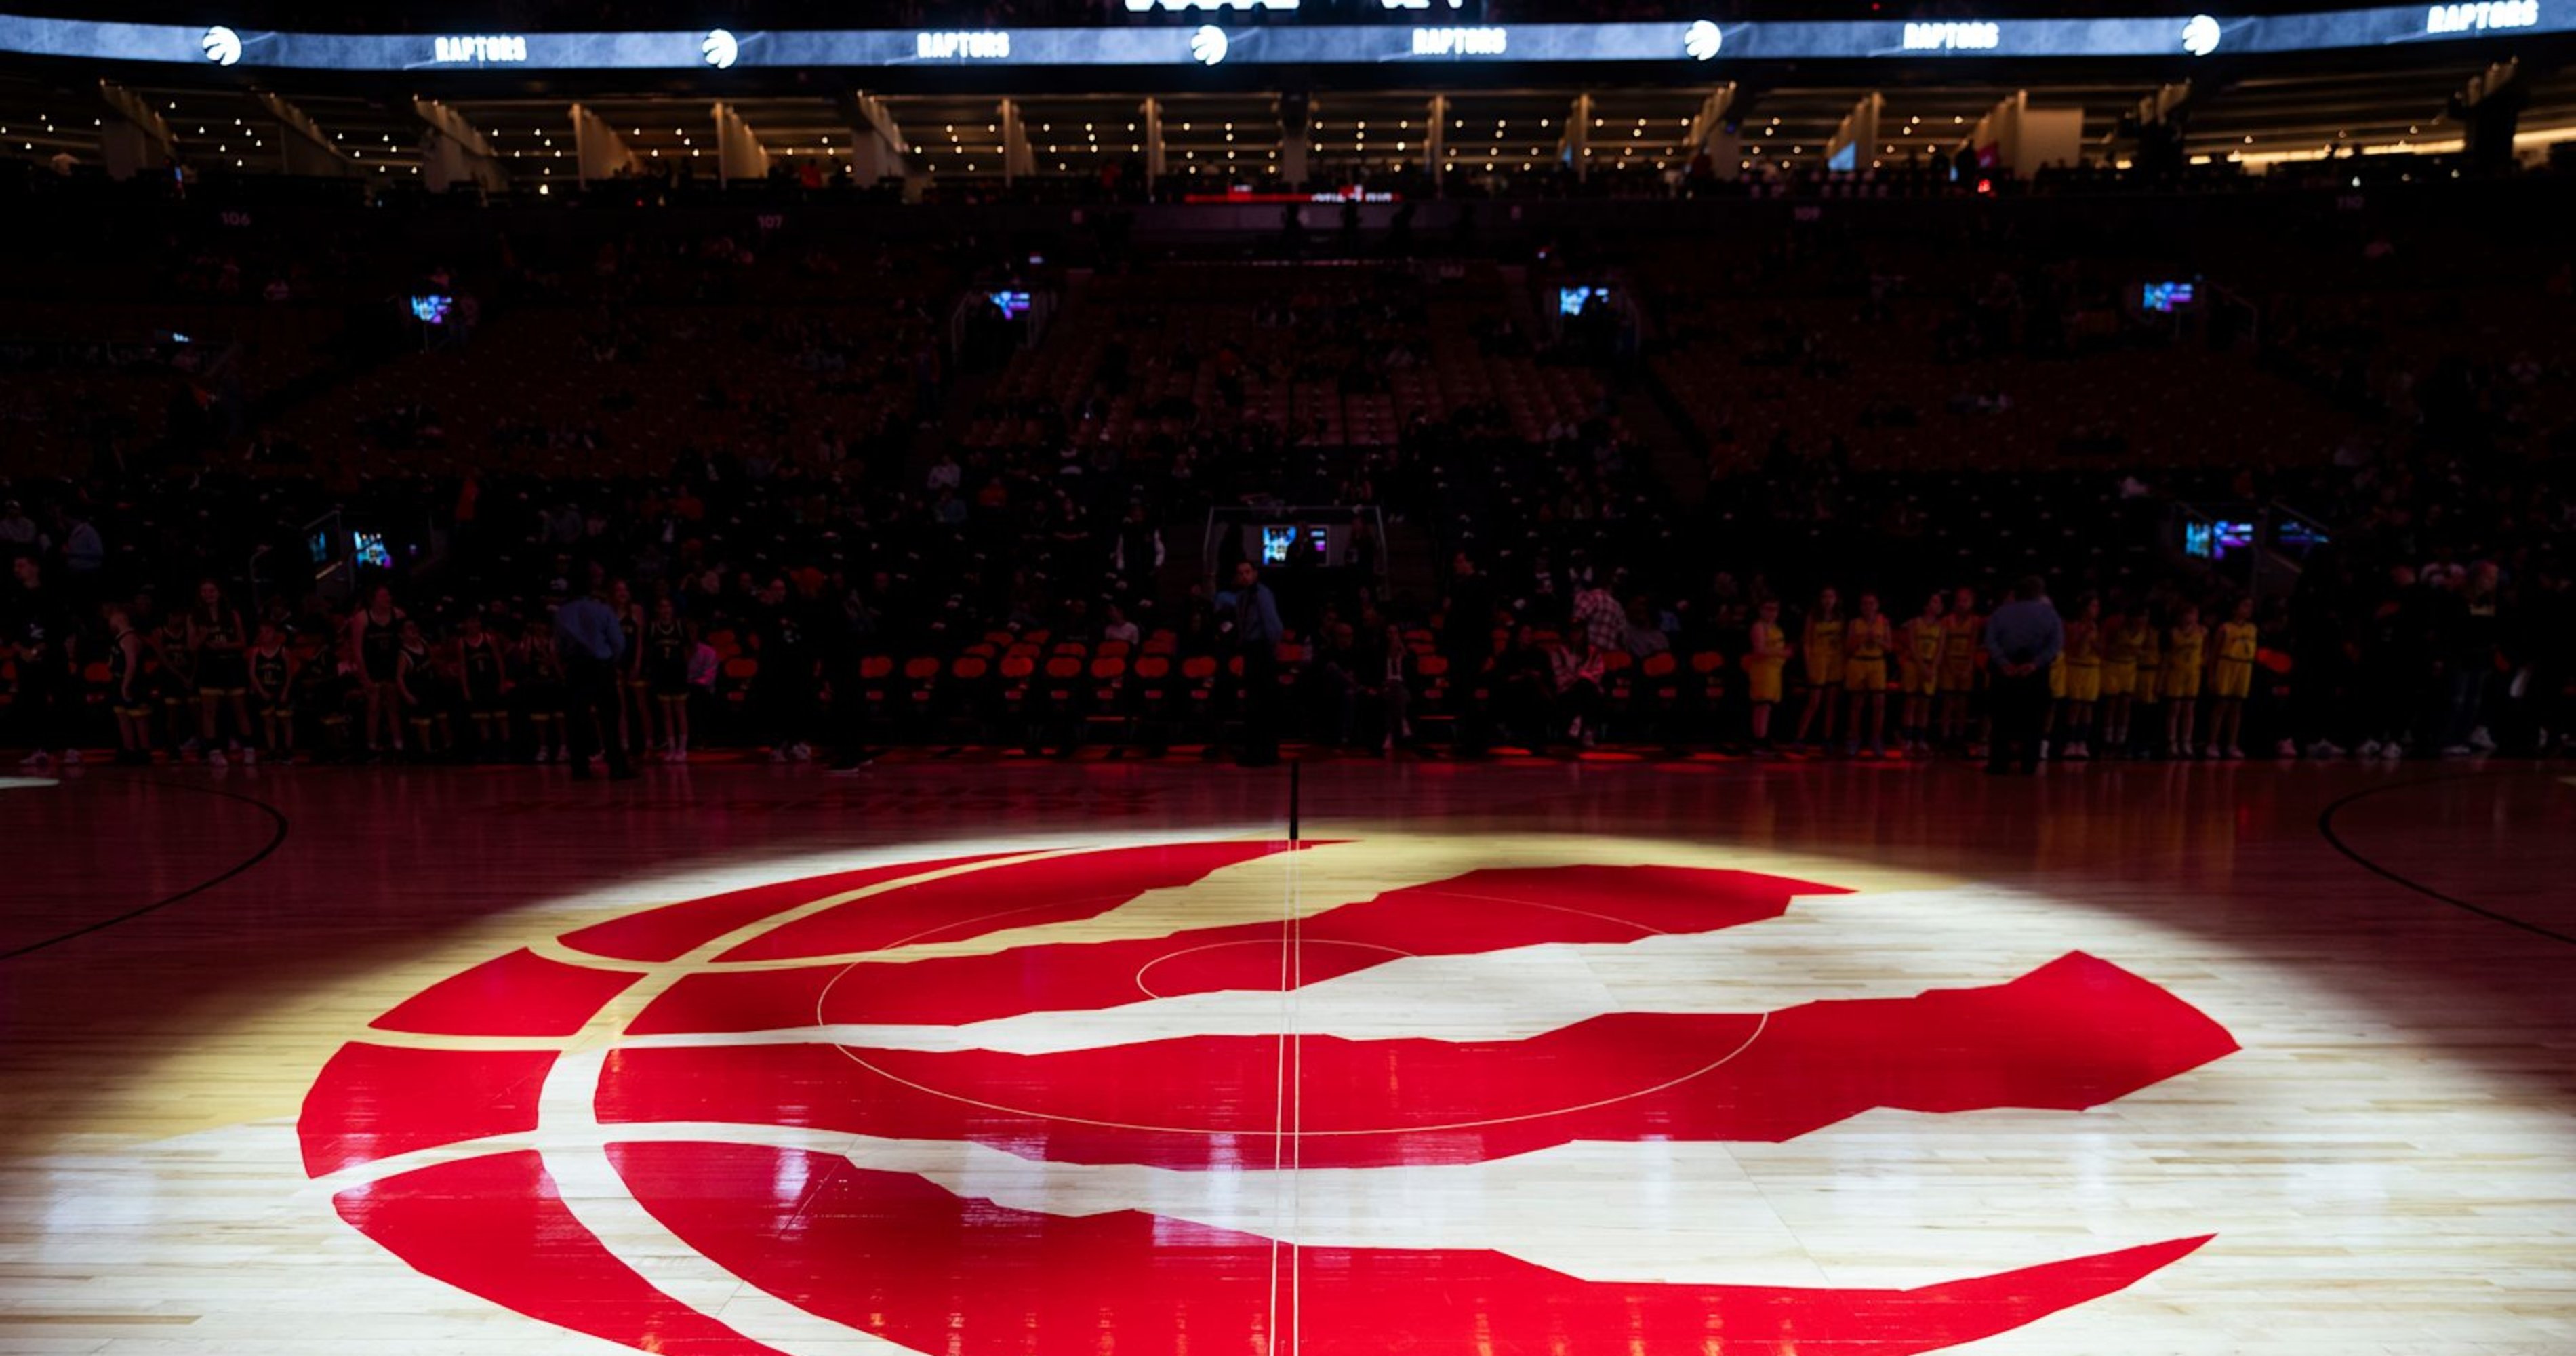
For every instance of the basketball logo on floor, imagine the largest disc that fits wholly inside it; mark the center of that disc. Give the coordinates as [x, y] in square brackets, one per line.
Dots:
[978, 1104]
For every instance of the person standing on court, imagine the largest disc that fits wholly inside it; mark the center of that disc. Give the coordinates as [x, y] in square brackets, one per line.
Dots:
[591, 643]
[1256, 638]
[2023, 638]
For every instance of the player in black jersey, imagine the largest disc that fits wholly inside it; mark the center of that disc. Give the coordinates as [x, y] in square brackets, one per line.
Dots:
[215, 633]
[128, 693]
[541, 692]
[272, 688]
[634, 696]
[375, 645]
[174, 662]
[483, 677]
[422, 682]
[665, 665]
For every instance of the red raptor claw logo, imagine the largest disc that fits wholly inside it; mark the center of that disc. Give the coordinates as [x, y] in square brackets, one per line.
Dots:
[727, 1036]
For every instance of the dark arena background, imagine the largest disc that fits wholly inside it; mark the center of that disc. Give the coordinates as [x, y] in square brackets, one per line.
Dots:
[1287, 678]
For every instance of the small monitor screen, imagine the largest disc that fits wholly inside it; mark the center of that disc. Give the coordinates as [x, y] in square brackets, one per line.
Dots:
[368, 548]
[319, 547]
[432, 309]
[2165, 296]
[1012, 305]
[1276, 543]
[1572, 300]
[2302, 537]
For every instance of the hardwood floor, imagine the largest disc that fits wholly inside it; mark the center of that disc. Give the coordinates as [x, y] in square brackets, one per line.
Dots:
[1051, 1058]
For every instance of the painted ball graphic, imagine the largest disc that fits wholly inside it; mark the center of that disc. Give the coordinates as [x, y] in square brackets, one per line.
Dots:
[1208, 44]
[1168, 1098]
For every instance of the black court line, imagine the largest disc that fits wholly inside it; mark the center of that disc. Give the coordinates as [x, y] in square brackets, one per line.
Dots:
[2325, 826]
[277, 818]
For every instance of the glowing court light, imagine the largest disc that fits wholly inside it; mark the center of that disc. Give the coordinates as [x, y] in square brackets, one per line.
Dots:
[1702, 40]
[720, 49]
[1207, 45]
[223, 46]
[2200, 35]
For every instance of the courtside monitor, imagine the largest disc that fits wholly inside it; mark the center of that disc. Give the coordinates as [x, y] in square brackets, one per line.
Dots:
[1012, 305]
[431, 309]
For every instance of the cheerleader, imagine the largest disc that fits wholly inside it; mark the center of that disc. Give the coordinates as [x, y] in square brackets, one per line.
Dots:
[1919, 651]
[270, 671]
[128, 693]
[2083, 666]
[665, 665]
[1866, 639]
[484, 679]
[1822, 647]
[1766, 655]
[2231, 679]
[2184, 645]
[1962, 641]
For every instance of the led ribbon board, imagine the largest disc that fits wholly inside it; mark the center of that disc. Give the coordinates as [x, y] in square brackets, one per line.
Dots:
[1678, 41]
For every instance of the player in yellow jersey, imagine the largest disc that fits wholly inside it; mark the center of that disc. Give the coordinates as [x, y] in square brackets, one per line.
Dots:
[2083, 665]
[1822, 647]
[2184, 656]
[1766, 655]
[1866, 639]
[1919, 653]
[1962, 640]
[2119, 678]
[2150, 695]
[2231, 679]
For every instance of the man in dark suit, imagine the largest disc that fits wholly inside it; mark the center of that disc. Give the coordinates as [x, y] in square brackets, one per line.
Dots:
[1256, 638]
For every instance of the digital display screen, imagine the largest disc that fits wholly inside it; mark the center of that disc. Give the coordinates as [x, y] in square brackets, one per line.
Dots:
[1276, 543]
[319, 547]
[2216, 539]
[1202, 32]
[432, 309]
[1572, 300]
[2302, 537]
[368, 548]
[2163, 297]
[1012, 305]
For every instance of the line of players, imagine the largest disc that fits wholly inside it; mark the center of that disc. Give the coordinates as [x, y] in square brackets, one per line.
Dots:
[1934, 664]
[200, 682]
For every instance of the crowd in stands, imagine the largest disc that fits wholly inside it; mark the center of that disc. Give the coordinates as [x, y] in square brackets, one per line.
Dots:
[1762, 509]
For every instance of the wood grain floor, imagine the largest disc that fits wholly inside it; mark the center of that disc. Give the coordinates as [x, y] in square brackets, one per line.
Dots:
[2385, 1163]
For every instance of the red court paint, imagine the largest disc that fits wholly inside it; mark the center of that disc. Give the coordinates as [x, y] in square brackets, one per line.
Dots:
[898, 1256]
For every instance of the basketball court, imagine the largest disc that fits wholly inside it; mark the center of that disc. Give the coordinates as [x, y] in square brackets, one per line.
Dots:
[1169, 1060]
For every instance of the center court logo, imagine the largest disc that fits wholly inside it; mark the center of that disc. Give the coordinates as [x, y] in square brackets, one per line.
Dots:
[905, 1100]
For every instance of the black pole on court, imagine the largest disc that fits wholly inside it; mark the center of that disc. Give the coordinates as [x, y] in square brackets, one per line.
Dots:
[1292, 805]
